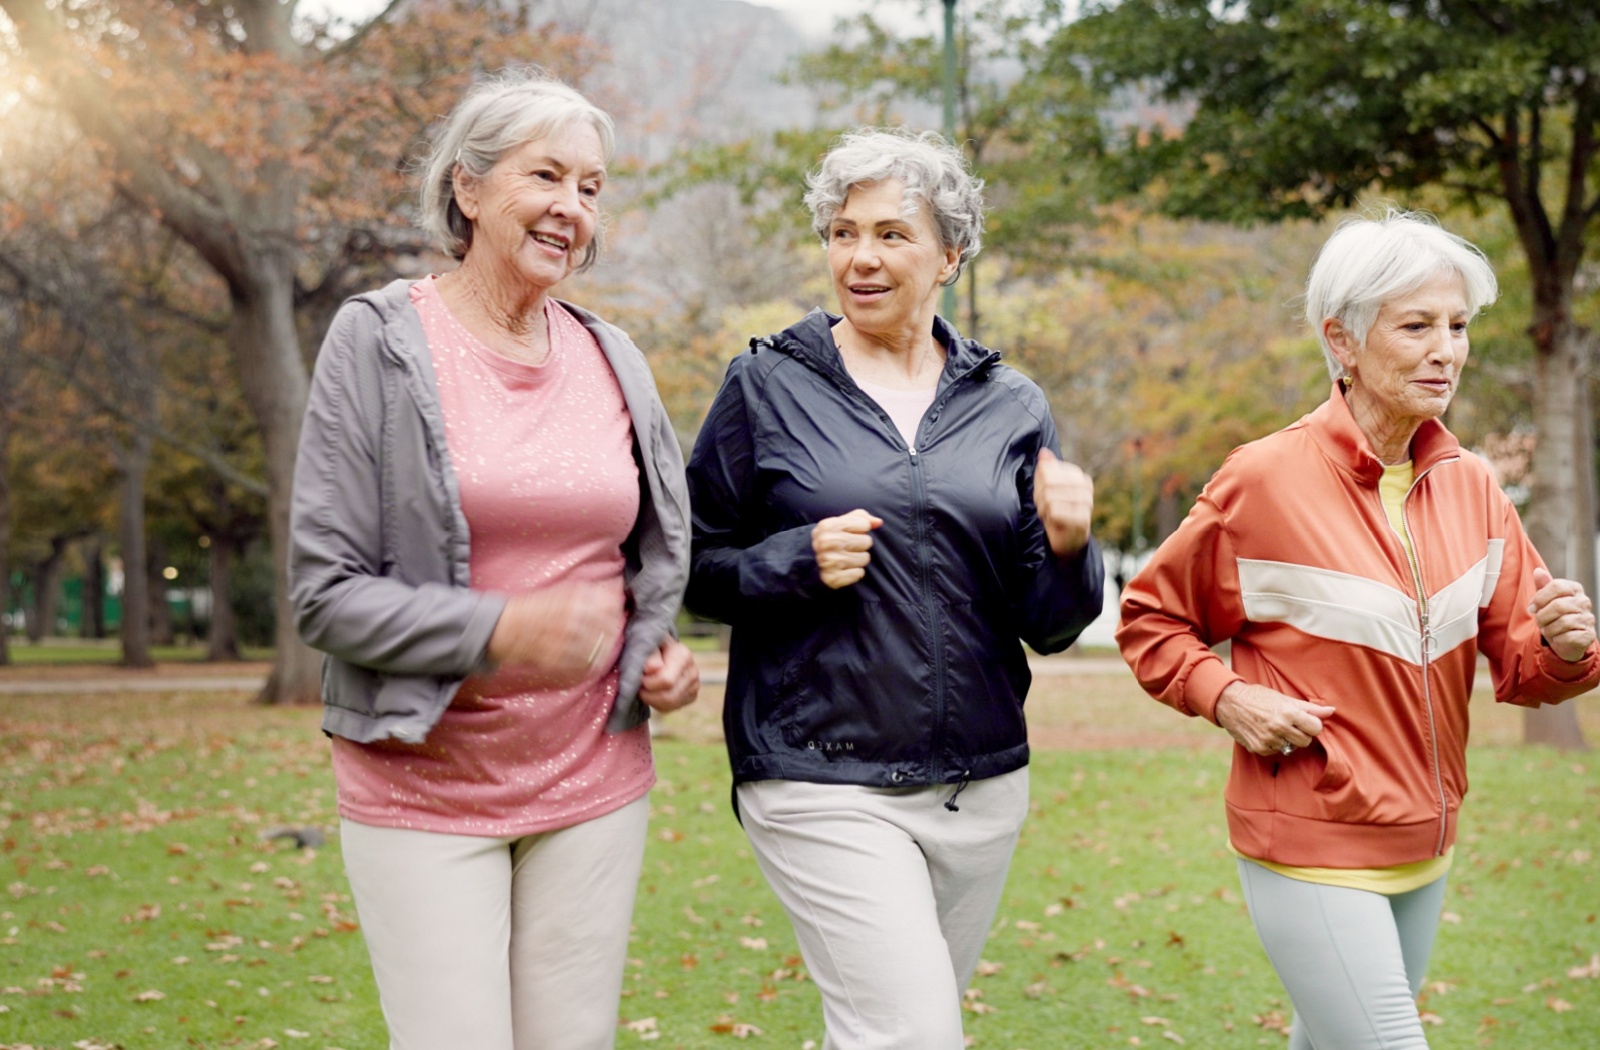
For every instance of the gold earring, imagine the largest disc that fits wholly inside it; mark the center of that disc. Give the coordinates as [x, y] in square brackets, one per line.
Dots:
[1347, 380]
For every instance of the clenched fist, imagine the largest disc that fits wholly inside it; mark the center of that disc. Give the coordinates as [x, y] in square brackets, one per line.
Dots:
[842, 547]
[1064, 497]
[1566, 618]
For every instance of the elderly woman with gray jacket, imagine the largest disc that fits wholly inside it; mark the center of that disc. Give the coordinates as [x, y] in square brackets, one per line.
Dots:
[490, 543]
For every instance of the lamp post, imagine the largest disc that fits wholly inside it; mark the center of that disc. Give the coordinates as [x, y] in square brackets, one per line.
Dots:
[947, 301]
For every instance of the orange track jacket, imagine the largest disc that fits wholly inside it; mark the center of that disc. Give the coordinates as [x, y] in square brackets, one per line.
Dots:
[1288, 554]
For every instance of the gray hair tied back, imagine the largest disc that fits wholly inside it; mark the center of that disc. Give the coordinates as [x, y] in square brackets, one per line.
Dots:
[498, 115]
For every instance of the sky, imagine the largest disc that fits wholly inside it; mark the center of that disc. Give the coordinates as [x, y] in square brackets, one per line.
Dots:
[813, 17]
[816, 17]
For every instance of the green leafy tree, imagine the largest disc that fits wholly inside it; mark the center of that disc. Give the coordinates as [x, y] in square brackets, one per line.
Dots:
[1299, 108]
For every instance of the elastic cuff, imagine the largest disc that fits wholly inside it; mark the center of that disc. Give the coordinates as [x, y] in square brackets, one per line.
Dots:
[1205, 686]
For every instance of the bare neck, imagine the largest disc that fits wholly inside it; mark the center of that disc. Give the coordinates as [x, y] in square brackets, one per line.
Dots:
[904, 360]
[506, 313]
[1390, 437]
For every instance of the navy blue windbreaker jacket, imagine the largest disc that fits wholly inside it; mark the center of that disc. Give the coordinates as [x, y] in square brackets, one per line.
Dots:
[915, 675]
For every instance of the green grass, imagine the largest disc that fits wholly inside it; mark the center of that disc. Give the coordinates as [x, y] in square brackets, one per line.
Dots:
[129, 842]
[67, 651]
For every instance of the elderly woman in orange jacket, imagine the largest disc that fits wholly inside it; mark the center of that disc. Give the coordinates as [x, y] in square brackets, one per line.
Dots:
[1359, 561]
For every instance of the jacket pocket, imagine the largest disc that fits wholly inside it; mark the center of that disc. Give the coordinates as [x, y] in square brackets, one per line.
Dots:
[859, 687]
[1325, 785]
[1336, 769]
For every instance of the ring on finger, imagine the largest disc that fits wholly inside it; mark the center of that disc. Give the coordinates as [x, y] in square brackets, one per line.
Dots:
[1286, 749]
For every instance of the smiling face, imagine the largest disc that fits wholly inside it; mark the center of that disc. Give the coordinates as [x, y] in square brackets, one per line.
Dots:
[536, 210]
[886, 266]
[1409, 368]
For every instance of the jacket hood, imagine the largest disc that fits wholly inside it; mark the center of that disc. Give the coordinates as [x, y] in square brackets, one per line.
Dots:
[1341, 439]
[810, 340]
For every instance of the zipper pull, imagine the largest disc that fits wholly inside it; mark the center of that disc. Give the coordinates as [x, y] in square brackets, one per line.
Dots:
[913, 450]
[1427, 635]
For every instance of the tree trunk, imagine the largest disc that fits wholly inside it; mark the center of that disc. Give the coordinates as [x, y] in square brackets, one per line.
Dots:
[133, 462]
[47, 591]
[94, 588]
[1554, 522]
[222, 640]
[5, 532]
[275, 382]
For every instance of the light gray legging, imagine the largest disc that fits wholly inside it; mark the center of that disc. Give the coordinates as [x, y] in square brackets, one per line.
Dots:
[1351, 960]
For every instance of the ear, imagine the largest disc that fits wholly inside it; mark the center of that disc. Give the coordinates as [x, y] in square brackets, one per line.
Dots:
[465, 188]
[1341, 342]
[952, 260]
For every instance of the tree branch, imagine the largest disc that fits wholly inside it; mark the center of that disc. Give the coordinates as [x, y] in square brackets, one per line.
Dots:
[191, 215]
[212, 459]
[353, 41]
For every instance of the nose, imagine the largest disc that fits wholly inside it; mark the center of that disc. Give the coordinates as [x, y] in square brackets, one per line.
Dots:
[1442, 345]
[865, 257]
[566, 198]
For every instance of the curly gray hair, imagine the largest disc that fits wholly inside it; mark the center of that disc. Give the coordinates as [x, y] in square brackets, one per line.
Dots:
[933, 171]
[500, 114]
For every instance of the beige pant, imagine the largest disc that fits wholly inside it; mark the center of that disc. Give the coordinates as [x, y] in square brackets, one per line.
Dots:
[891, 896]
[498, 944]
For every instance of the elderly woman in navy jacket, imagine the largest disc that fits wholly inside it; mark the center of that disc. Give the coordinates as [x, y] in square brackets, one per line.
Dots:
[880, 514]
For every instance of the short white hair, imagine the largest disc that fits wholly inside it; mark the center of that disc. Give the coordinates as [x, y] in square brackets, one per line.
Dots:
[1372, 260]
[500, 114]
[933, 172]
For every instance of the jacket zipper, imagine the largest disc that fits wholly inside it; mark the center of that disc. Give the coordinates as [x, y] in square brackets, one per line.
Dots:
[920, 491]
[918, 479]
[1415, 559]
[841, 378]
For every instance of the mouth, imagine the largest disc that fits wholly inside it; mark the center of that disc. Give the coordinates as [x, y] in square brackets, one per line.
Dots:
[551, 240]
[868, 289]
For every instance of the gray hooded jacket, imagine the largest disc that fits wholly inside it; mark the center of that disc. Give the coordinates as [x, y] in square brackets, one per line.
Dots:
[379, 564]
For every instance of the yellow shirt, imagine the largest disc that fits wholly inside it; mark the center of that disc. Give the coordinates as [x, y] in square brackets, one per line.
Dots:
[1402, 878]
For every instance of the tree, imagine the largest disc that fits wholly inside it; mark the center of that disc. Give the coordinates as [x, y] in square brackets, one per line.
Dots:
[276, 154]
[1295, 108]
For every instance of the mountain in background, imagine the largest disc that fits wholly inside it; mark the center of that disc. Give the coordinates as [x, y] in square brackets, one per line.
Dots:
[681, 71]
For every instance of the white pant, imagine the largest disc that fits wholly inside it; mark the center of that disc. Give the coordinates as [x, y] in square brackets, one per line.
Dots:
[891, 896]
[498, 944]
[1351, 960]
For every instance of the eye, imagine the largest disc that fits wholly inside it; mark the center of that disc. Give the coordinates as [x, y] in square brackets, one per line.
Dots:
[590, 190]
[544, 175]
[1458, 327]
[840, 233]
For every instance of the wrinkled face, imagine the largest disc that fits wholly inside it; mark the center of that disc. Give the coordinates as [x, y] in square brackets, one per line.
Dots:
[536, 210]
[886, 266]
[1414, 353]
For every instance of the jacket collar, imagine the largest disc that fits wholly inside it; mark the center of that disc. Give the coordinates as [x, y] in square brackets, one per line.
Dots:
[1341, 440]
[810, 340]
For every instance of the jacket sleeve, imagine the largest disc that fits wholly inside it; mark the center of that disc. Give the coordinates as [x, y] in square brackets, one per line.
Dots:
[1056, 597]
[1524, 670]
[733, 568]
[345, 602]
[1185, 600]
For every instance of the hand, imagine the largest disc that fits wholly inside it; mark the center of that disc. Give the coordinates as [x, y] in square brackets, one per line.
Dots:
[842, 544]
[1063, 495]
[561, 633]
[1566, 619]
[671, 677]
[1264, 721]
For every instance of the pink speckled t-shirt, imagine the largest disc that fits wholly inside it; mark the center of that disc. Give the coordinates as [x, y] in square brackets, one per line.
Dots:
[550, 489]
